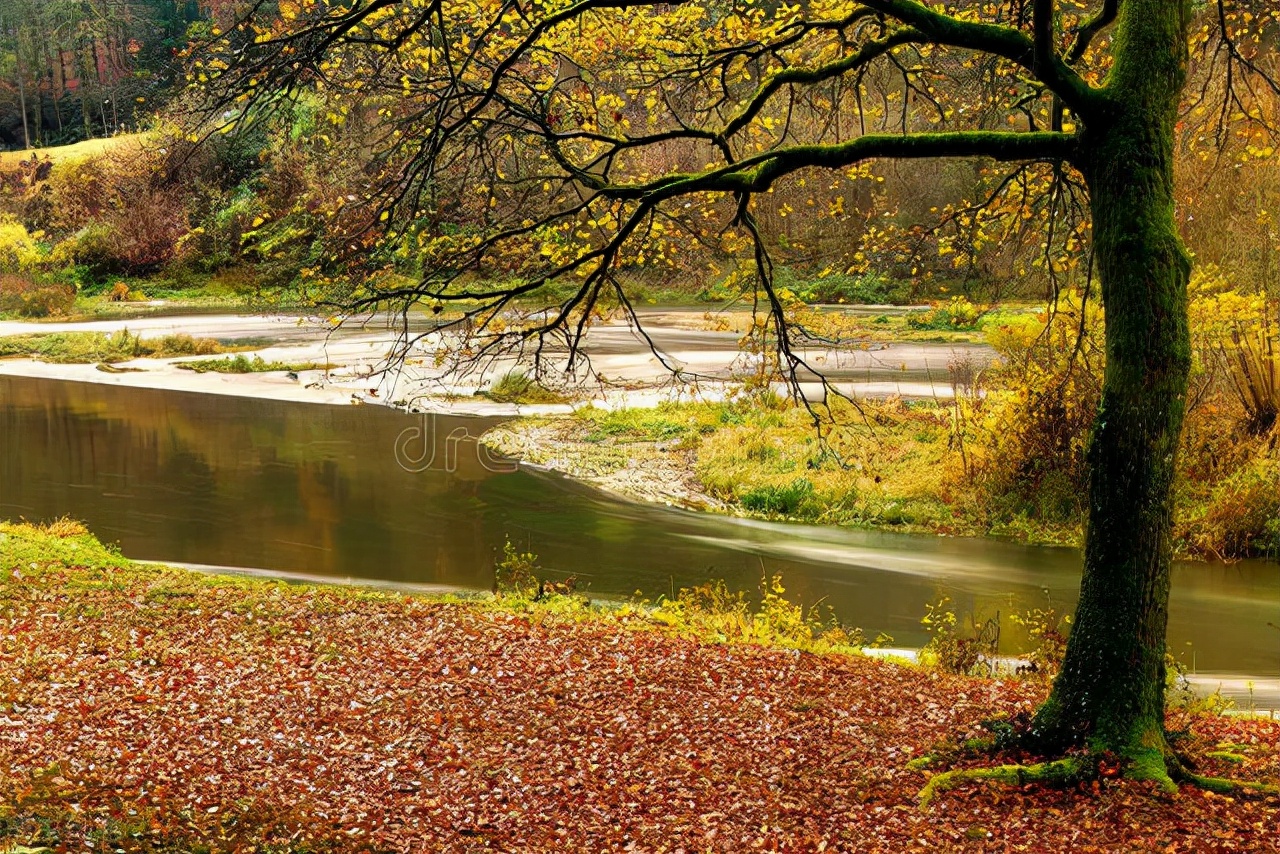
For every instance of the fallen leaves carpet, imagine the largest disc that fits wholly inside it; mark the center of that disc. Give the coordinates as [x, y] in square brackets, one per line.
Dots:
[139, 714]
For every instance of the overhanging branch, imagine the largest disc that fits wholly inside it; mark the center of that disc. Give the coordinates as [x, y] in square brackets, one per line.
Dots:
[1090, 28]
[758, 172]
[1011, 44]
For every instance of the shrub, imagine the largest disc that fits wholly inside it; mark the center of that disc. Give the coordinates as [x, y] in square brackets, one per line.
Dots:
[19, 250]
[1242, 516]
[957, 313]
[26, 297]
[75, 194]
[839, 288]
[96, 248]
[1237, 346]
[950, 649]
[1035, 431]
[1252, 362]
[185, 345]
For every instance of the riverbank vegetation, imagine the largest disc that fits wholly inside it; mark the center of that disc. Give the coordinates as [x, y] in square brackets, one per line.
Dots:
[242, 364]
[134, 720]
[999, 452]
[90, 347]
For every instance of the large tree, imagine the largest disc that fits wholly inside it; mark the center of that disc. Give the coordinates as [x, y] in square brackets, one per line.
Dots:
[563, 140]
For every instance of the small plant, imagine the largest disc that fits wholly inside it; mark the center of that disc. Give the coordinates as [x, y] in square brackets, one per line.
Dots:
[780, 617]
[954, 652]
[1048, 632]
[717, 614]
[121, 292]
[1180, 695]
[26, 296]
[517, 573]
[518, 387]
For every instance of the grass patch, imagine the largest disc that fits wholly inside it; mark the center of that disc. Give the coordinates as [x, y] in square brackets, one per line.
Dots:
[779, 500]
[886, 467]
[955, 322]
[66, 550]
[90, 347]
[241, 364]
[519, 387]
[893, 465]
[666, 422]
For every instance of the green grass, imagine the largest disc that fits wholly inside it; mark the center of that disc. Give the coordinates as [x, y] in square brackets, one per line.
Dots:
[891, 466]
[778, 499]
[667, 422]
[711, 613]
[518, 387]
[241, 364]
[91, 347]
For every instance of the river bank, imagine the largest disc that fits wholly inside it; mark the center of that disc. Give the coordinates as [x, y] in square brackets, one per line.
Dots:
[403, 723]
[369, 362]
[628, 377]
[911, 457]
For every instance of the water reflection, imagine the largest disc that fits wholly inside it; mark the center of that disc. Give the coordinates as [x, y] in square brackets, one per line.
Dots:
[354, 492]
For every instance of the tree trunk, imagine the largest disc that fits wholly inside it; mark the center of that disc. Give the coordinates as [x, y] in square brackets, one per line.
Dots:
[54, 95]
[22, 89]
[1110, 693]
[85, 116]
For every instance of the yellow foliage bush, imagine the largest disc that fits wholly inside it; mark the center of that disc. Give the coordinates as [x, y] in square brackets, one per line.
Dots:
[19, 250]
[1036, 426]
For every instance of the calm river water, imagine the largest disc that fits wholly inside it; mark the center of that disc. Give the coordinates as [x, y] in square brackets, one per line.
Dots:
[371, 493]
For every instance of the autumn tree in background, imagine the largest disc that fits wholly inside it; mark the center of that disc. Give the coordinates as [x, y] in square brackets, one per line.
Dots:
[73, 69]
[519, 145]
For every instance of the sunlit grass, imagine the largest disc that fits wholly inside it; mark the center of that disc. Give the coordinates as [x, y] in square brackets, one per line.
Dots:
[87, 148]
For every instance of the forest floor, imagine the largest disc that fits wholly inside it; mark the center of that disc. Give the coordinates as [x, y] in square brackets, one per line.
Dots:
[144, 708]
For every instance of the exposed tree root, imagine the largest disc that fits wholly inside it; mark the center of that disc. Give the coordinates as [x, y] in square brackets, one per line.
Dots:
[1164, 770]
[1224, 785]
[1059, 772]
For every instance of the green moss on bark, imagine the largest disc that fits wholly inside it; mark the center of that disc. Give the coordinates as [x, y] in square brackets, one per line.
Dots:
[1110, 693]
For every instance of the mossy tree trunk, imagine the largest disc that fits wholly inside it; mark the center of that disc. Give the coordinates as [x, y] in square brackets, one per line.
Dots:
[1110, 693]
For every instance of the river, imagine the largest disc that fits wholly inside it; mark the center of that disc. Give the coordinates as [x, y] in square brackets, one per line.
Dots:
[367, 493]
